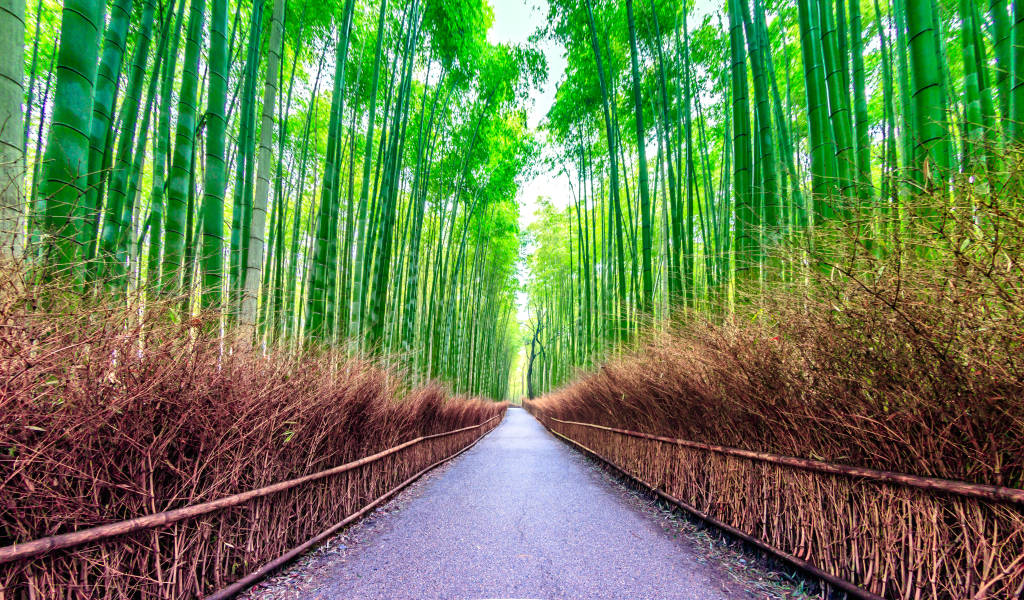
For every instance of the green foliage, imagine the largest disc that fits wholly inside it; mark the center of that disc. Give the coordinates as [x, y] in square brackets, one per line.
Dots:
[692, 140]
[457, 29]
[688, 142]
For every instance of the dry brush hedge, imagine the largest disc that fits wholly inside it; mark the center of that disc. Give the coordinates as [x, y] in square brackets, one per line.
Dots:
[105, 417]
[793, 390]
[907, 361]
[906, 357]
[892, 540]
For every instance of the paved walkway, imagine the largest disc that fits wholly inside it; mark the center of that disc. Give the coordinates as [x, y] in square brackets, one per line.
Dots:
[520, 515]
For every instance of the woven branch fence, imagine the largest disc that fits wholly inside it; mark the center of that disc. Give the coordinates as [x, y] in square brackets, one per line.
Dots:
[224, 544]
[890, 535]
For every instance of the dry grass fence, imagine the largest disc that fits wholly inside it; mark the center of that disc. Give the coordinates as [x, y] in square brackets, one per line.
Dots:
[903, 355]
[109, 414]
[893, 540]
[222, 545]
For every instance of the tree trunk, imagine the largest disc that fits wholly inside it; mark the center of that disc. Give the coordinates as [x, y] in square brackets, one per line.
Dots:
[66, 163]
[259, 208]
[12, 165]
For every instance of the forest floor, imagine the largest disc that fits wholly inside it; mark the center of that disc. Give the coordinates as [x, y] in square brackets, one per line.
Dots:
[522, 515]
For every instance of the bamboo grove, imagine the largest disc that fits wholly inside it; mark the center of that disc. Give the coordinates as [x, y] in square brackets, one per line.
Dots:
[692, 138]
[334, 172]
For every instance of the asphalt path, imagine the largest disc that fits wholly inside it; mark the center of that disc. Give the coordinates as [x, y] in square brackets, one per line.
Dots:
[520, 515]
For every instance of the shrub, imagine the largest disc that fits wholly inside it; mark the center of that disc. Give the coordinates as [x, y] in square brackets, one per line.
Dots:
[108, 413]
[902, 353]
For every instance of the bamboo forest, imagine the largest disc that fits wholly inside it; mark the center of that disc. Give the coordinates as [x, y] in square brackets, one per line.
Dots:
[348, 174]
[790, 228]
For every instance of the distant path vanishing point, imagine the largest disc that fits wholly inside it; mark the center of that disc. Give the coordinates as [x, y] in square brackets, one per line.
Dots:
[520, 515]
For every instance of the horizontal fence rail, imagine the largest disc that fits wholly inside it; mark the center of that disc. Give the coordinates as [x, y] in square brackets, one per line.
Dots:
[31, 569]
[842, 584]
[933, 484]
[871, 533]
[257, 575]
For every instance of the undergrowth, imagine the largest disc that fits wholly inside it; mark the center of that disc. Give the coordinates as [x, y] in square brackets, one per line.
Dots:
[109, 412]
[895, 344]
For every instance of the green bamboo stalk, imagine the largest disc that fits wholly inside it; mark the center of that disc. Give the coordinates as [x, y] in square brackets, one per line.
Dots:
[259, 211]
[647, 298]
[130, 107]
[316, 303]
[181, 173]
[861, 123]
[101, 134]
[741, 137]
[215, 183]
[64, 178]
[162, 146]
[933, 157]
[824, 170]
[1002, 38]
[12, 146]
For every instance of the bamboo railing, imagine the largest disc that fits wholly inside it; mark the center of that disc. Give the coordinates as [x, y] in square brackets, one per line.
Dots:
[225, 544]
[873, 534]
